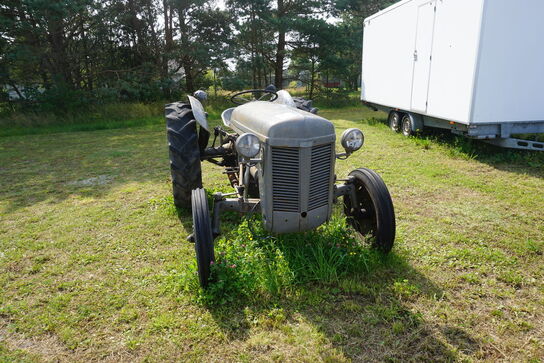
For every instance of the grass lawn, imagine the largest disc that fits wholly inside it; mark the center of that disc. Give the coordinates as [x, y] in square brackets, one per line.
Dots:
[94, 264]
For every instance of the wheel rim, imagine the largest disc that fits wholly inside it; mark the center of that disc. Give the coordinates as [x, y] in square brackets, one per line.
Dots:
[362, 216]
[406, 127]
[370, 210]
[394, 122]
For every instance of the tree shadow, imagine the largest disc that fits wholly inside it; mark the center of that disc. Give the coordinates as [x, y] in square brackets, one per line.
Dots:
[510, 160]
[365, 317]
[54, 167]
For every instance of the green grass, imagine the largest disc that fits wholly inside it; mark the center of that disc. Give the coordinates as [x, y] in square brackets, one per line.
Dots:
[94, 264]
[95, 117]
[31, 121]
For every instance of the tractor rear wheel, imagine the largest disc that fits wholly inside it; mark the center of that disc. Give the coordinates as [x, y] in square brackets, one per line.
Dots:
[202, 234]
[184, 152]
[372, 213]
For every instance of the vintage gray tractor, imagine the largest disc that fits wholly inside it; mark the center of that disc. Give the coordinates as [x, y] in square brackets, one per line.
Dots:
[279, 157]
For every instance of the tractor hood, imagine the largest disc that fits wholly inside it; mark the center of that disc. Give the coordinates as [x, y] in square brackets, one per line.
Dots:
[281, 125]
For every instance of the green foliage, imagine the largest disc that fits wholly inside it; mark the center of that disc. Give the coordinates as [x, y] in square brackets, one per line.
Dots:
[67, 56]
[464, 148]
[95, 117]
[252, 265]
[337, 98]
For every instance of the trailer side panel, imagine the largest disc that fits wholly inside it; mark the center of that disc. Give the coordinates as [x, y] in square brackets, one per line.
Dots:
[388, 45]
[510, 74]
[420, 56]
[454, 59]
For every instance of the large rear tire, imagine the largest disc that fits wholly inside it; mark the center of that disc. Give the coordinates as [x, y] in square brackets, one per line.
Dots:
[202, 233]
[184, 152]
[372, 214]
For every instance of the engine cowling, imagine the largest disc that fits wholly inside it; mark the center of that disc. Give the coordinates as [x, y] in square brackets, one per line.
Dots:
[296, 174]
[274, 123]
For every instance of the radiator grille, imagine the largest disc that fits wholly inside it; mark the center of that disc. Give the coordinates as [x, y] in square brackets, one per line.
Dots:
[286, 179]
[320, 176]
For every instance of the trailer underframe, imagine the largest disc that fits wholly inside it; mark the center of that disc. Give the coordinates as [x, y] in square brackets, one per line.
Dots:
[499, 133]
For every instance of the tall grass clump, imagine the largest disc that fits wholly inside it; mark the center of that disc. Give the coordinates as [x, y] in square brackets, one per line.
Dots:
[252, 265]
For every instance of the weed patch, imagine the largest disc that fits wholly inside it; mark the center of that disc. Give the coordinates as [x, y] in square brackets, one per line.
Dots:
[254, 266]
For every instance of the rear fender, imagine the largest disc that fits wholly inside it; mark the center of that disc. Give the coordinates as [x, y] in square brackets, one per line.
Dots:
[417, 122]
[199, 113]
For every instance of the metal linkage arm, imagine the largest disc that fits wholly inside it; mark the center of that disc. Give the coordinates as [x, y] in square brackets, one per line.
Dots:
[222, 204]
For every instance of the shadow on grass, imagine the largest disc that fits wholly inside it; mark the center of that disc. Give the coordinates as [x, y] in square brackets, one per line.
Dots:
[52, 168]
[364, 311]
[367, 318]
[510, 160]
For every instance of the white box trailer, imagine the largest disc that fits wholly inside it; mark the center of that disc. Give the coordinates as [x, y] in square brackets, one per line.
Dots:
[475, 67]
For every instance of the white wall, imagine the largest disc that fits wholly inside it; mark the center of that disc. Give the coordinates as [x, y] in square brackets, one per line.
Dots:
[454, 58]
[388, 57]
[388, 47]
[510, 82]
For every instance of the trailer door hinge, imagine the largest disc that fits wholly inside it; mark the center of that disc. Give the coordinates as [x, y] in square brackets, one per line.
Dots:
[415, 55]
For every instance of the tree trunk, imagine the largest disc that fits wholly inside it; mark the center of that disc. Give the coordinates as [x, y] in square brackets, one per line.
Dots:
[214, 84]
[168, 35]
[312, 80]
[186, 61]
[189, 79]
[60, 65]
[280, 50]
[86, 58]
[21, 97]
[280, 55]
[168, 45]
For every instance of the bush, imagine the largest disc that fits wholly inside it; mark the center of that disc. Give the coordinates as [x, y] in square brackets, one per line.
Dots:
[336, 98]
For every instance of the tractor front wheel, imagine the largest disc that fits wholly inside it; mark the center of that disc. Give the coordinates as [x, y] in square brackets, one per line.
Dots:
[371, 214]
[202, 234]
[184, 152]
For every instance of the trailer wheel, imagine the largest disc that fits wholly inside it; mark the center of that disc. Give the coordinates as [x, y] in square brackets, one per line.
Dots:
[407, 127]
[394, 121]
[372, 212]
[203, 237]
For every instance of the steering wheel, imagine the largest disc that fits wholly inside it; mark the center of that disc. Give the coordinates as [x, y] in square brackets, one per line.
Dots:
[237, 98]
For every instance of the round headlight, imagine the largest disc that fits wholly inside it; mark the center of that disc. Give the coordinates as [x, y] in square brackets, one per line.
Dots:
[248, 145]
[352, 140]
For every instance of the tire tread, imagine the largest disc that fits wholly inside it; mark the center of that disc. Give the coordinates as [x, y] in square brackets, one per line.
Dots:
[183, 150]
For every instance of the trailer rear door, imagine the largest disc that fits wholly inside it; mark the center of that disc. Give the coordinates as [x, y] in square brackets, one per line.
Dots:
[422, 55]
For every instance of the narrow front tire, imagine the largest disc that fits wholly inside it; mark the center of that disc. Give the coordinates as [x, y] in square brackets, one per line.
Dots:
[371, 214]
[202, 235]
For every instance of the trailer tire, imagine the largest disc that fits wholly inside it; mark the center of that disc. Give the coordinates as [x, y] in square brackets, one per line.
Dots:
[395, 121]
[183, 151]
[406, 126]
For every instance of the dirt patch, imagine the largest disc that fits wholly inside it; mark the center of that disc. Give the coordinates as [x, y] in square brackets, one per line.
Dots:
[48, 347]
[98, 180]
